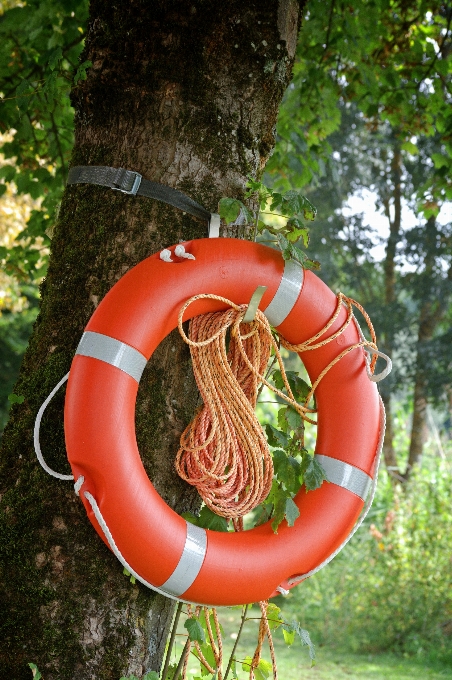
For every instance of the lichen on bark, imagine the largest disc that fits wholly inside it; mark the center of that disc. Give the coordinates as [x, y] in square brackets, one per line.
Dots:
[187, 94]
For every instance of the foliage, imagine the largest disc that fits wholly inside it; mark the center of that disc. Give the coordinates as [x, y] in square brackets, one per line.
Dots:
[391, 589]
[207, 519]
[198, 631]
[293, 464]
[40, 43]
[391, 59]
[15, 328]
[34, 669]
[350, 250]
[289, 208]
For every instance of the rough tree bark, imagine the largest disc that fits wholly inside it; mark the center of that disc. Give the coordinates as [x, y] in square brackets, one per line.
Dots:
[186, 93]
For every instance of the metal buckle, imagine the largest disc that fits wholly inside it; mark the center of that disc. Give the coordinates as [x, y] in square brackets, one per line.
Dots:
[126, 178]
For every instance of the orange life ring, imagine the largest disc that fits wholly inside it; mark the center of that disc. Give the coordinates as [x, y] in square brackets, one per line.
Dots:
[160, 547]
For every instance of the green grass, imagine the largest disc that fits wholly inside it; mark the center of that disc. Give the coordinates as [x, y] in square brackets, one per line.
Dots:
[331, 664]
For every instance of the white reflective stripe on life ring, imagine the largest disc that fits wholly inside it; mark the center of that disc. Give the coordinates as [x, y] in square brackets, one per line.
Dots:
[287, 294]
[345, 475]
[190, 562]
[113, 352]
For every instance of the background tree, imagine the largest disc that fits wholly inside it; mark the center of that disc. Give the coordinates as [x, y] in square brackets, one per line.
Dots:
[407, 288]
[186, 94]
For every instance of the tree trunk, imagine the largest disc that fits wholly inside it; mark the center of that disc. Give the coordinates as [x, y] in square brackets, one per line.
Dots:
[389, 268]
[187, 94]
[388, 443]
[432, 311]
[418, 427]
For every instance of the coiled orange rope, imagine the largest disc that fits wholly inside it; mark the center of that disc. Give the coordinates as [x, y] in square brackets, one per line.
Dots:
[224, 452]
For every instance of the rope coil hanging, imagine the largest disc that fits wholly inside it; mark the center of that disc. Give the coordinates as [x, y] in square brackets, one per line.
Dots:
[224, 451]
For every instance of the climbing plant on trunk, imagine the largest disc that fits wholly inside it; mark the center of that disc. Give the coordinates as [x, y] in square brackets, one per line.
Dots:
[187, 94]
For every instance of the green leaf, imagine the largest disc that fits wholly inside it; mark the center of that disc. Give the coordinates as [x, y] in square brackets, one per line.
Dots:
[292, 202]
[291, 512]
[265, 668]
[246, 663]
[195, 630]
[299, 387]
[261, 672]
[440, 161]
[282, 422]
[190, 517]
[314, 475]
[273, 616]
[152, 675]
[8, 172]
[229, 210]
[287, 470]
[171, 671]
[23, 92]
[16, 399]
[263, 192]
[279, 497]
[276, 437]
[305, 639]
[51, 86]
[54, 58]
[296, 231]
[411, 148]
[291, 252]
[209, 520]
[293, 418]
[80, 74]
[34, 669]
[289, 636]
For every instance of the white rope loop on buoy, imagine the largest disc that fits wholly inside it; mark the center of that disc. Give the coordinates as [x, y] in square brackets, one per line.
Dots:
[37, 427]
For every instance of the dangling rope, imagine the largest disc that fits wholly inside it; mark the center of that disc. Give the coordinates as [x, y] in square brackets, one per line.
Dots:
[224, 452]
[217, 646]
[264, 630]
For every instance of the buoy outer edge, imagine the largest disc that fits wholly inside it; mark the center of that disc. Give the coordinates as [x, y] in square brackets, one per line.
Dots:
[139, 311]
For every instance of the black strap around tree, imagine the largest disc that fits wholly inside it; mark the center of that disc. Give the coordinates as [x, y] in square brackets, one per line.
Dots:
[132, 183]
